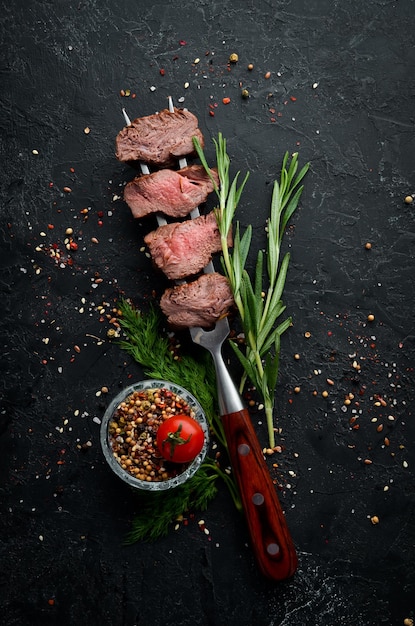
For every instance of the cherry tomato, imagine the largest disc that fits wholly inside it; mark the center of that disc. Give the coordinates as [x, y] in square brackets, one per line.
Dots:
[180, 439]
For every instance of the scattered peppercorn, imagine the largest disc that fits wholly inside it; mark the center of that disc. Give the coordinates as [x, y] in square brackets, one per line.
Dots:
[409, 199]
[233, 58]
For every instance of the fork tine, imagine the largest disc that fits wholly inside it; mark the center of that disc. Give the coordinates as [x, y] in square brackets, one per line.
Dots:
[211, 338]
[228, 396]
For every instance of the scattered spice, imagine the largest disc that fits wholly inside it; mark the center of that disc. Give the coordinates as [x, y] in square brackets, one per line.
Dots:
[409, 199]
[233, 58]
[226, 100]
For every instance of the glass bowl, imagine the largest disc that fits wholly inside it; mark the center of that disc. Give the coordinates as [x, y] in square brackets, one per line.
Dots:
[106, 445]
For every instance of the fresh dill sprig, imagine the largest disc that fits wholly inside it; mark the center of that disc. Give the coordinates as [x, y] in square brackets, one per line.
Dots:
[150, 348]
[259, 314]
[159, 510]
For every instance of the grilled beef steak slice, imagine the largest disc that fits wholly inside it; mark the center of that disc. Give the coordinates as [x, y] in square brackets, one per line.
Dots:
[199, 303]
[158, 139]
[174, 193]
[184, 248]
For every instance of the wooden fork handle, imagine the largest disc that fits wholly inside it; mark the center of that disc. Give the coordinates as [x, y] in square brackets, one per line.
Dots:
[270, 537]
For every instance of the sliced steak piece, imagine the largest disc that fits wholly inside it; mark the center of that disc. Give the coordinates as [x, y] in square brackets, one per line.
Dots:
[159, 139]
[174, 193]
[199, 303]
[181, 249]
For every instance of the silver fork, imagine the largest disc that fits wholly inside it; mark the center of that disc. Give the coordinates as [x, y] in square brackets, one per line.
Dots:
[270, 538]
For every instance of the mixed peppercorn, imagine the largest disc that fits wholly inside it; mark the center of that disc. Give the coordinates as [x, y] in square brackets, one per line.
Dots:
[133, 430]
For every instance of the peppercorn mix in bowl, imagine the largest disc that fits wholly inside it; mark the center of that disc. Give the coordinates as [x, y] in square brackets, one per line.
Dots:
[129, 435]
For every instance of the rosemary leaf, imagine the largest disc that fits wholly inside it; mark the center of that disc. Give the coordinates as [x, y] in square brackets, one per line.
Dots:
[270, 336]
[290, 210]
[245, 362]
[278, 288]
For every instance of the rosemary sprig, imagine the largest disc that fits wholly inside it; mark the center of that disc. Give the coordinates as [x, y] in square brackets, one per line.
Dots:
[229, 195]
[259, 314]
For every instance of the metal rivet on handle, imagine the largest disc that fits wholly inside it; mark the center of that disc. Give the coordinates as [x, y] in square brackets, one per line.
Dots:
[244, 449]
[273, 549]
[258, 499]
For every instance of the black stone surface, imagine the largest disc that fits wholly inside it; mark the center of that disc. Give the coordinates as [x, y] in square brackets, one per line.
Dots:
[341, 93]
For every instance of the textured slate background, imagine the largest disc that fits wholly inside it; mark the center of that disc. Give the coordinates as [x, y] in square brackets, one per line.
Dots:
[341, 92]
